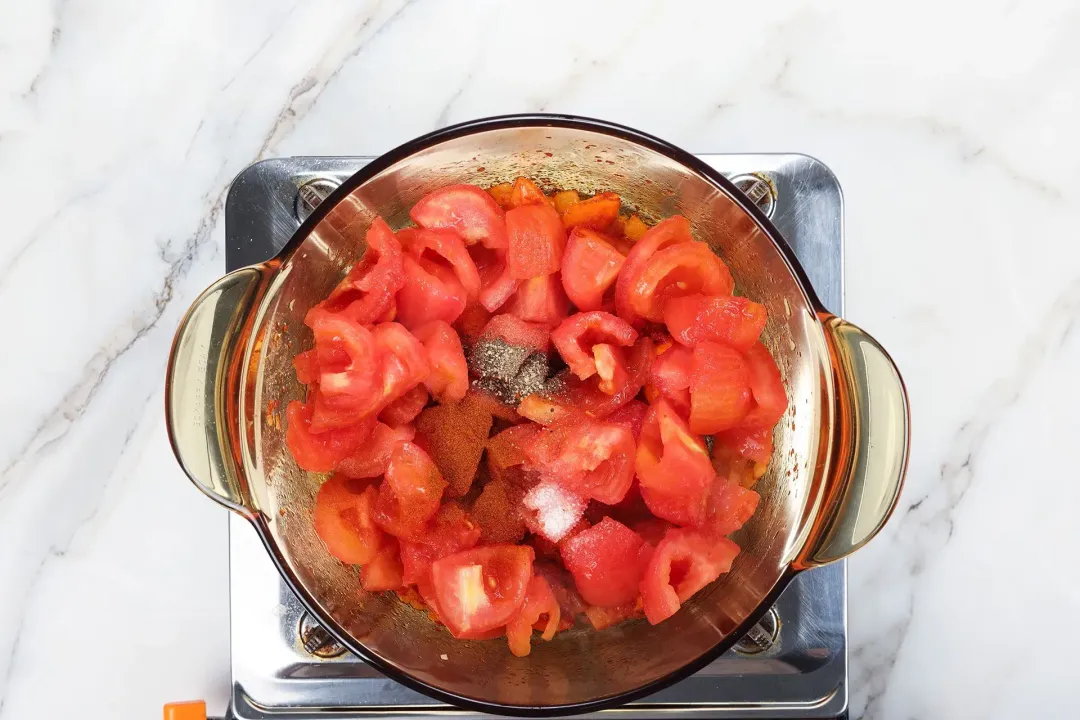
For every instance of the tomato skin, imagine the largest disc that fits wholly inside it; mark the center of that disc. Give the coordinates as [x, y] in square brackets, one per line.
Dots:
[539, 300]
[405, 409]
[410, 492]
[673, 467]
[384, 571]
[684, 269]
[597, 212]
[590, 266]
[343, 520]
[684, 562]
[467, 209]
[536, 237]
[767, 388]
[719, 389]
[525, 192]
[448, 379]
[306, 365]
[447, 245]
[431, 292]
[372, 457]
[576, 336]
[607, 562]
[726, 319]
[539, 601]
[321, 452]
[480, 589]
[672, 231]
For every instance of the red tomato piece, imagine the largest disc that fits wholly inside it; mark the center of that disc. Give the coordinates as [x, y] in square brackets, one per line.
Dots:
[539, 300]
[552, 511]
[610, 368]
[525, 192]
[372, 457]
[450, 531]
[496, 283]
[410, 492]
[684, 269]
[597, 212]
[591, 458]
[466, 209]
[576, 337]
[601, 618]
[384, 572]
[726, 319]
[632, 414]
[404, 361]
[607, 562]
[536, 238]
[767, 388]
[672, 370]
[507, 449]
[540, 606]
[719, 388]
[753, 443]
[321, 452]
[673, 467]
[673, 231]
[367, 293]
[348, 381]
[652, 530]
[306, 365]
[405, 409]
[497, 512]
[443, 246]
[515, 331]
[684, 562]
[432, 291]
[481, 589]
[730, 506]
[448, 379]
[562, 587]
[343, 520]
[471, 322]
[590, 267]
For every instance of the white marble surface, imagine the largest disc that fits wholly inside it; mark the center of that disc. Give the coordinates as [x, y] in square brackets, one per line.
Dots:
[952, 126]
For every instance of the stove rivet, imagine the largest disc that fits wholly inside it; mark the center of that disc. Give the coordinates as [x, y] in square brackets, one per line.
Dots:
[311, 194]
[760, 637]
[316, 640]
[758, 189]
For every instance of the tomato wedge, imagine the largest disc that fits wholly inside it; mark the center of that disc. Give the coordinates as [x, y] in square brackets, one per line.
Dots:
[432, 291]
[726, 319]
[536, 237]
[384, 571]
[719, 389]
[672, 231]
[343, 520]
[597, 212]
[753, 443]
[767, 388]
[590, 266]
[591, 458]
[405, 409]
[448, 379]
[525, 192]
[321, 452]
[348, 381]
[540, 608]
[467, 209]
[539, 300]
[410, 492]
[684, 269]
[496, 283]
[443, 246]
[480, 589]
[577, 336]
[730, 506]
[450, 531]
[673, 467]
[607, 561]
[372, 457]
[684, 562]
[404, 361]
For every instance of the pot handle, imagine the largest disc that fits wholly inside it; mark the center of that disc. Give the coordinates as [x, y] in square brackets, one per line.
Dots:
[201, 386]
[869, 445]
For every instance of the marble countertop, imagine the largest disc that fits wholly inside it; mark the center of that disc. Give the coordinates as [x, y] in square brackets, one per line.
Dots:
[953, 128]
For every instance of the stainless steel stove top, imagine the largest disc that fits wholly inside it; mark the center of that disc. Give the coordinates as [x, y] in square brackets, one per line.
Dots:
[793, 665]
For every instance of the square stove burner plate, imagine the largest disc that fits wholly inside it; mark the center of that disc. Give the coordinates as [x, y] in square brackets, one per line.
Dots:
[802, 673]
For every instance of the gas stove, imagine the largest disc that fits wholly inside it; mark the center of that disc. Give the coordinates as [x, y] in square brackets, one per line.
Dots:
[791, 665]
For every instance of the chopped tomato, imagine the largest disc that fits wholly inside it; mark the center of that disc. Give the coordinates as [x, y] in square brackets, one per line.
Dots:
[730, 506]
[405, 409]
[673, 467]
[501, 194]
[672, 231]
[634, 228]
[684, 562]
[343, 520]
[590, 266]
[591, 458]
[525, 192]
[471, 322]
[321, 452]
[496, 283]
[683, 269]
[601, 618]
[632, 414]
[404, 361]
[564, 199]
[448, 379]
[306, 365]
[517, 332]
[726, 319]
[348, 380]
[753, 443]
[465, 208]
[384, 572]
[607, 562]
[497, 512]
[432, 291]
[481, 589]
[539, 608]
[552, 511]
[597, 212]
[371, 458]
[450, 531]
[767, 388]
[610, 368]
[576, 337]
[539, 300]
[454, 435]
[719, 388]
[410, 492]
[443, 246]
[536, 239]
[652, 529]
[508, 447]
[584, 396]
